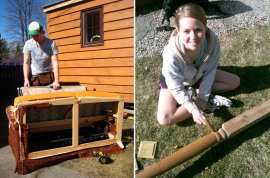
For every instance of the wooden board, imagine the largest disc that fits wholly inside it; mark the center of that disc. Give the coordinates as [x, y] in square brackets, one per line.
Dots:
[108, 26]
[111, 71]
[68, 149]
[108, 17]
[60, 124]
[44, 89]
[111, 62]
[108, 44]
[99, 80]
[119, 38]
[61, 5]
[109, 6]
[246, 119]
[147, 149]
[108, 35]
[115, 53]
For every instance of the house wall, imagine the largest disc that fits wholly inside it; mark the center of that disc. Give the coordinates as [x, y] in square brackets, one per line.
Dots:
[108, 68]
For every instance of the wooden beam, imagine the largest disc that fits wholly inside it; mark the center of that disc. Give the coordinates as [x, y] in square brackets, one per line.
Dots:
[60, 124]
[63, 4]
[61, 101]
[119, 122]
[246, 119]
[75, 125]
[97, 100]
[68, 149]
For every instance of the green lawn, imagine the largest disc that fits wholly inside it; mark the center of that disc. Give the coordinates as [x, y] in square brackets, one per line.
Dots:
[246, 54]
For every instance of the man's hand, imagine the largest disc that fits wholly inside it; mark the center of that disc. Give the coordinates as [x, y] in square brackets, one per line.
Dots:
[55, 86]
[26, 83]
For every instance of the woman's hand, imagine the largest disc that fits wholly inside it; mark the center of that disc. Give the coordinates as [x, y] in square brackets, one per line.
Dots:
[198, 116]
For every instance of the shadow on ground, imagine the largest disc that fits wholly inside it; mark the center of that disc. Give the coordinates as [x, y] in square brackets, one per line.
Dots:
[253, 78]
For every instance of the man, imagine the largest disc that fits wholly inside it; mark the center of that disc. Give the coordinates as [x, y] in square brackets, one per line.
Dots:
[40, 66]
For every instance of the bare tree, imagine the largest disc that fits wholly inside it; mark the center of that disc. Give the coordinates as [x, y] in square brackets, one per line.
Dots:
[3, 49]
[15, 51]
[20, 13]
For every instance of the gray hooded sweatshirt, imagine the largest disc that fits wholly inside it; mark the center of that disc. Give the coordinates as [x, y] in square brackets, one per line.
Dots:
[179, 71]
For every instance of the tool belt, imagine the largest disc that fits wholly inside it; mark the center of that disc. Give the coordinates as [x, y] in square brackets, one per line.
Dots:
[42, 79]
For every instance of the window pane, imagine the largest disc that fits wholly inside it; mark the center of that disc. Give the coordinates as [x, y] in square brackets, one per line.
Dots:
[89, 21]
[96, 31]
[96, 19]
[89, 35]
[92, 27]
[96, 34]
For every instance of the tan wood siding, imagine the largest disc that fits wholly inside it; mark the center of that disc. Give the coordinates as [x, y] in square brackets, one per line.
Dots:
[115, 34]
[111, 44]
[110, 88]
[110, 5]
[112, 35]
[109, 67]
[105, 80]
[111, 62]
[109, 71]
[114, 25]
[122, 52]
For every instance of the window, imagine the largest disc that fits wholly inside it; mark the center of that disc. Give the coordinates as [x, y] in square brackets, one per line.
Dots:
[92, 27]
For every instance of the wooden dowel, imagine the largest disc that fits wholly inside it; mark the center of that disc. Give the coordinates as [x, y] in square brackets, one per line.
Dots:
[210, 128]
[179, 156]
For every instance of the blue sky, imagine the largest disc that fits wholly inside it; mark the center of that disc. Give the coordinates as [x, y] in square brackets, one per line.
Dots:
[3, 17]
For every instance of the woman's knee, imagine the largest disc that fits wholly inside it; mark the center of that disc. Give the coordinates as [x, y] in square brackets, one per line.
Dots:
[164, 119]
[235, 82]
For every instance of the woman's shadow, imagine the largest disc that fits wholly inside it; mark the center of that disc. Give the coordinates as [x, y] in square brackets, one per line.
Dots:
[253, 78]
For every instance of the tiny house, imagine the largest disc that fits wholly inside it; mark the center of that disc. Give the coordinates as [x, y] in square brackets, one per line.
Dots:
[95, 39]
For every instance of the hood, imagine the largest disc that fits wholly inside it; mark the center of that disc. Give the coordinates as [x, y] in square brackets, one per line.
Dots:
[180, 50]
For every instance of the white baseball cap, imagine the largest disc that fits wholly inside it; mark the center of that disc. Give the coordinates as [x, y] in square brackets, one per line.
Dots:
[34, 28]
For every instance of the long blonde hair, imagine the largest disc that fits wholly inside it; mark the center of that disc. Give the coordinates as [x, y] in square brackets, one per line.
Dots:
[190, 10]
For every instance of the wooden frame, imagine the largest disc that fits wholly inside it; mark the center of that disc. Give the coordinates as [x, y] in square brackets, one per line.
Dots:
[75, 102]
[84, 36]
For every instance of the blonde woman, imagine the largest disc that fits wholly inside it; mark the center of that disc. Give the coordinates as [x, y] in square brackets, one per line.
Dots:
[190, 61]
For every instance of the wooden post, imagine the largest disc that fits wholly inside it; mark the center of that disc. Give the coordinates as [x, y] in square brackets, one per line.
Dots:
[119, 123]
[75, 125]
